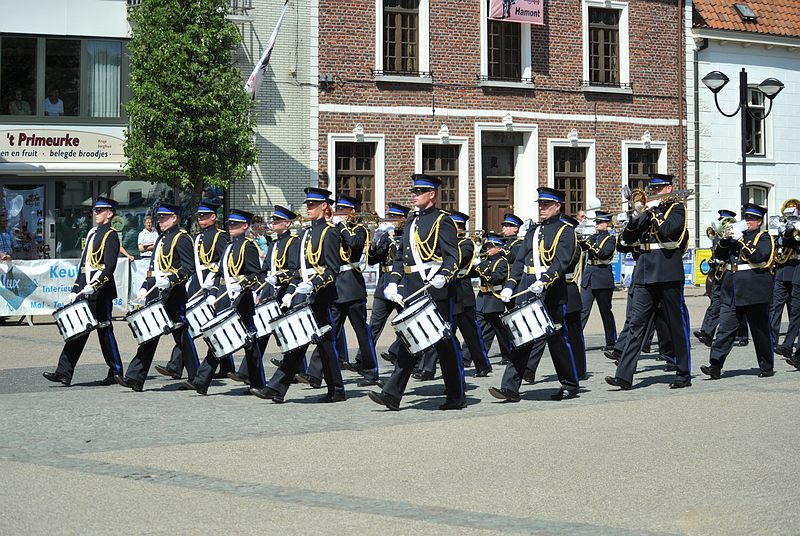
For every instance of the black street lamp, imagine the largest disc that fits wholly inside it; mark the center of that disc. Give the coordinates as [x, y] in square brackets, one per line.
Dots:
[770, 88]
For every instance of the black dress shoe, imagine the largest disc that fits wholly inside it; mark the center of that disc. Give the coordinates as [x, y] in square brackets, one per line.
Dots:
[713, 371]
[766, 374]
[164, 371]
[680, 384]
[608, 348]
[367, 382]
[384, 399]
[277, 362]
[703, 337]
[483, 373]
[190, 385]
[302, 377]
[618, 382]
[356, 367]
[424, 376]
[504, 361]
[129, 383]
[235, 376]
[267, 393]
[330, 398]
[783, 350]
[670, 367]
[741, 341]
[108, 380]
[504, 394]
[388, 356]
[460, 403]
[55, 377]
[529, 376]
[647, 349]
[564, 394]
[612, 354]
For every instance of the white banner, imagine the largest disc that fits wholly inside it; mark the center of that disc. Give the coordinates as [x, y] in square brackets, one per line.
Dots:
[40, 287]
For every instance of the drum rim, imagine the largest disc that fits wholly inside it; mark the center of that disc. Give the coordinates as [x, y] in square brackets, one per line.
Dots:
[293, 310]
[73, 304]
[142, 309]
[219, 318]
[410, 308]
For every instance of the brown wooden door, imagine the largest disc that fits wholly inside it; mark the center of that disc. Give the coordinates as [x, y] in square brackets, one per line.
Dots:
[498, 185]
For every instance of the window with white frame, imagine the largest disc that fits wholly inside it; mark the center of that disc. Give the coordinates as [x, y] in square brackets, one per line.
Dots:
[402, 38]
[570, 177]
[641, 164]
[441, 161]
[759, 195]
[756, 141]
[606, 45]
[355, 172]
[505, 51]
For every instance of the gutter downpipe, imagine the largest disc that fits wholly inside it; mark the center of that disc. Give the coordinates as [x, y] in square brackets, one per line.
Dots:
[696, 62]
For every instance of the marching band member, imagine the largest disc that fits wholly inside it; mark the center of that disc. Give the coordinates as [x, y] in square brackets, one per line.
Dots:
[510, 229]
[544, 258]
[241, 271]
[787, 258]
[382, 251]
[209, 245]
[170, 268]
[95, 281]
[660, 230]
[319, 260]
[597, 281]
[428, 257]
[351, 294]
[494, 271]
[745, 292]
[280, 264]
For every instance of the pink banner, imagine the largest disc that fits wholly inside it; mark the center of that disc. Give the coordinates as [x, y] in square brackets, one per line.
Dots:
[522, 11]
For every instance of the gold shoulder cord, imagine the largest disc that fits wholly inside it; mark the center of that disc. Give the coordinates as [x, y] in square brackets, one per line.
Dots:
[578, 269]
[207, 256]
[654, 225]
[771, 259]
[314, 256]
[235, 267]
[96, 256]
[165, 261]
[280, 260]
[508, 274]
[547, 254]
[427, 247]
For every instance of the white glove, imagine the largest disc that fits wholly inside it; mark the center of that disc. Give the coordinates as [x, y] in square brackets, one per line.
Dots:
[141, 295]
[306, 287]
[386, 227]
[286, 301]
[638, 210]
[438, 281]
[391, 293]
[477, 260]
[162, 283]
[272, 280]
[737, 234]
[506, 294]
[653, 203]
[71, 297]
[88, 290]
[233, 287]
[336, 220]
[537, 288]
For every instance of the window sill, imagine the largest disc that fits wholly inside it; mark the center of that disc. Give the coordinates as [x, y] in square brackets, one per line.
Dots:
[754, 160]
[608, 89]
[404, 79]
[506, 83]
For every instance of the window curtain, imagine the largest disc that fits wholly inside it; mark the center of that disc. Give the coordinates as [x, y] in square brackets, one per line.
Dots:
[104, 74]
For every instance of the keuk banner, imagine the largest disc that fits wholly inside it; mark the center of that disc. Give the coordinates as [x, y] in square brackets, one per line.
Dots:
[522, 11]
[40, 287]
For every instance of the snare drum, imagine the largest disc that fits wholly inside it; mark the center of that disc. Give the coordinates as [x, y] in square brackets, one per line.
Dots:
[149, 322]
[226, 333]
[528, 322]
[420, 326]
[296, 328]
[198, 313]
[264, 314]
[74, 319]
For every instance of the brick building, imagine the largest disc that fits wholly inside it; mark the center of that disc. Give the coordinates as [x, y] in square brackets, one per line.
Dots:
[589, 101]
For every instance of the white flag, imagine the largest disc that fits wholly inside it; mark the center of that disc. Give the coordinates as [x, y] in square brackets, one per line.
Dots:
[254, 82]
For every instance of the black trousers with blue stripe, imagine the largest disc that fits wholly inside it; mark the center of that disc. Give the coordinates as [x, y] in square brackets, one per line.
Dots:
[101, 308]
[560, 351]
[730, 318]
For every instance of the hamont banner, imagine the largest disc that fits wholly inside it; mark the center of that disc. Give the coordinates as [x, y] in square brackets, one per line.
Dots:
[40, 287]
[522, 11]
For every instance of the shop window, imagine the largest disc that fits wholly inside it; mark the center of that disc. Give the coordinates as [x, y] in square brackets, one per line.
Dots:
[22, 210]
[355, 172]
[441, 161]
[641, 164]
[103, 65]
[62, 77]
[570, 177]
[18, 76]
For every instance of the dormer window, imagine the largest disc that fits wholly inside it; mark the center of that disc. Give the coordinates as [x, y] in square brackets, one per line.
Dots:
[747, 14]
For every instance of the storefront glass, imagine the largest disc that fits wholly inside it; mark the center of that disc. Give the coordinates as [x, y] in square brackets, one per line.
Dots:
[22, 221]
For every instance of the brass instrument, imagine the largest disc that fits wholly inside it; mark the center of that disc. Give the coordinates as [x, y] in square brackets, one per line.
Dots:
[729, 228]
[717, 227]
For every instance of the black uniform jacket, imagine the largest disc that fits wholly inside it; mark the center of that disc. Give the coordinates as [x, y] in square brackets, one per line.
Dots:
[493, 272]
[103, 249]
[382, 251]
[436, 235]
[748, 275]
[244, 264]
[597, 272]
[556, 251]
[660, 232]
[210, 248]
[511, 249]
[173, 255]
[319, 245]
[286, 250]
[786, 257]
[350, 284]
[465, 295]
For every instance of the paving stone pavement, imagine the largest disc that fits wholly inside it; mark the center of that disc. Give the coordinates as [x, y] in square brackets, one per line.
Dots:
[717, 458]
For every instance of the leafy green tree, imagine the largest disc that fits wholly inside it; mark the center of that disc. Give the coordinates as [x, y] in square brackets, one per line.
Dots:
[190, 123]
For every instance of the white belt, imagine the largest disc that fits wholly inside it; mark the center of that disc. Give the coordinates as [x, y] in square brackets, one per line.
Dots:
[421, 267]
[655, 245]
[600, 263]
[350, 266]
[570, 275]
[531, 270]
[308, 273]
[494, 288]
[742, 267]
[463, 272]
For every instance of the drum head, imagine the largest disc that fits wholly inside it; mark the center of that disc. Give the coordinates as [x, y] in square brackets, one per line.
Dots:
[220, 318]
[411, 309]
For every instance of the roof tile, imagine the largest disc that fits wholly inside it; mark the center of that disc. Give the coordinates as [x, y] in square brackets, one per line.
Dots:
[775, 17]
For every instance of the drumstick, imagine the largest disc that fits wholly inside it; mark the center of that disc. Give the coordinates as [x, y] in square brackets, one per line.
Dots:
[195, 294]
[407, 298]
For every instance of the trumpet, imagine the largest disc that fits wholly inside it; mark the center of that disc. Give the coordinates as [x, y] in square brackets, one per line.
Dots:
[730, 227]
[716, 228]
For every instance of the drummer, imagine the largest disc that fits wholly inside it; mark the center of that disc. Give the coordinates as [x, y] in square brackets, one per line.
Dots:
[427, 258]
[539, 271]
[493, 271]
[315, 281]
[241, 268]
[209, 245]
[170, 268]
[95, 282]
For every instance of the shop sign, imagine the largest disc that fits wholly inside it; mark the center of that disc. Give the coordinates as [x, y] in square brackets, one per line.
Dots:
[522, 11]
[35, 145]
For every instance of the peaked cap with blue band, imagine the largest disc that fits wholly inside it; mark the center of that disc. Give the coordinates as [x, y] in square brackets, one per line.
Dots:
[751, 209]
[425, 182]
[511, 219]
[168, 209]
[725, 213]
[602, 216]
[549, 194]
[240, 216]
[660, 179]
[283, 213]
[207, 205]
[495, 239]
[317, 195]
[104, 202]
[459, 217]
[347, 201]
[569, 219]
[396, 209]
